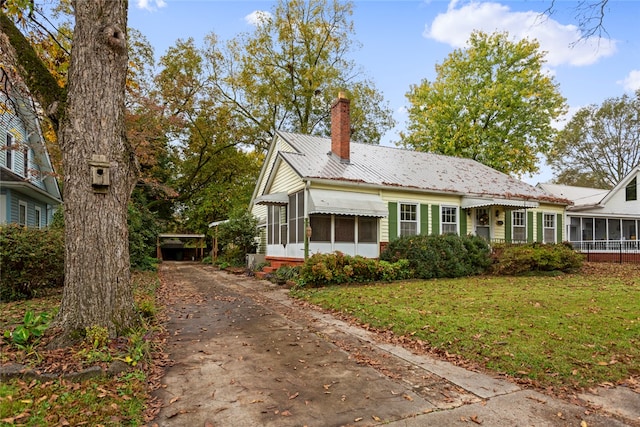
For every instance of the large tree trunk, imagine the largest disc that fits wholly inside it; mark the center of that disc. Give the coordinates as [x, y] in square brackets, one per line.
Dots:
[97, 289]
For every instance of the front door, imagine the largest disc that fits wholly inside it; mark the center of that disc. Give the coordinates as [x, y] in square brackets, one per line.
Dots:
[482, 223]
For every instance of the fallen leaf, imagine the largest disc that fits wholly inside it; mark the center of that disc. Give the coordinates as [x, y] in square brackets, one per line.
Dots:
[376, 418]
[475, 419]
[175, 399]
[293, 396]
[285, 413]
[407, 397]
[583, 423]
[358, 419]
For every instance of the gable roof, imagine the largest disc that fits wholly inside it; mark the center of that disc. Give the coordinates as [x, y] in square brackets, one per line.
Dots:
[390, 167]
[23, 107]
[582, 197]
[622, 184]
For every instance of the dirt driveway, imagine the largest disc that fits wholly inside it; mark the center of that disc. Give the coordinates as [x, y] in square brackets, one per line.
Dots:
[246, 355]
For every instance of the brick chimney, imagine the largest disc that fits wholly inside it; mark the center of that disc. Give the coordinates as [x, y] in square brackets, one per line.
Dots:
[341, 128]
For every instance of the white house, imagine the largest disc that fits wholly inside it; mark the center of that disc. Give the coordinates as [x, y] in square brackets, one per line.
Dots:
[602, 220]
[333, 194]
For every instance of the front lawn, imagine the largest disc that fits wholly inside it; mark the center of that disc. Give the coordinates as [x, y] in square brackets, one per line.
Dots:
[122, 399]
[573, 330]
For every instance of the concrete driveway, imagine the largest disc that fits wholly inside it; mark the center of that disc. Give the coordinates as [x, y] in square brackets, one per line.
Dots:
[245, 354]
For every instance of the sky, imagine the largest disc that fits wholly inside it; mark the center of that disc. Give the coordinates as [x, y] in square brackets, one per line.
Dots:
[401, 41]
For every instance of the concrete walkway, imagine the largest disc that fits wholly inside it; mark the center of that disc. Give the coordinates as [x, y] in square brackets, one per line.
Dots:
[247, 355]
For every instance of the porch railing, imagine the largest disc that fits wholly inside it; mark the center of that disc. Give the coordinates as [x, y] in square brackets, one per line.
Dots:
[609, 250]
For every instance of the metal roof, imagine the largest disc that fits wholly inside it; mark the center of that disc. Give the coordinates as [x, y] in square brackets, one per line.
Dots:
[474, 202]
[394, 167]
[580, 196]
[281, 198]
[346, 203]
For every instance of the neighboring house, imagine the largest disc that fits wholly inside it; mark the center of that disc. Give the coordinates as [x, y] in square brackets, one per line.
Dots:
[29, 193]
[602, 220]
[358, 197]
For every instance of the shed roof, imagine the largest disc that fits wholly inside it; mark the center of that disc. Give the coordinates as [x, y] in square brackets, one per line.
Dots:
[404, 169]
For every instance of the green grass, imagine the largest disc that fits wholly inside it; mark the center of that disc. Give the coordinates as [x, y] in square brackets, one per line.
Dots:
[109, 402]
[115, 401]
[573, 330]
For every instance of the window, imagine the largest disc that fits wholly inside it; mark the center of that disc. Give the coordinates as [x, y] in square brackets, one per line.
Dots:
[296, 217]
[408, 219]
[519, 226]
[614, 229]
[345, 228]
[449, 215]
[549, 228]
[38, 217]
[3, 209]
[273, 225]
[320, 228]
[22, 213]
[629, 229]
[9, 152]
[631, 191]
[367, 230]
[25, 163]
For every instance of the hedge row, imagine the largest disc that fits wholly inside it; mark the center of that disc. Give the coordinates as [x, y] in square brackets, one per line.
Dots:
[337, 268]
[31, 259]
[535, 258]
[445, 255]
[438, 256]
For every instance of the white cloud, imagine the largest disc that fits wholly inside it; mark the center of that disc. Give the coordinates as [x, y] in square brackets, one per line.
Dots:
[631, 83]
[563, 43]
[257, 16]
[150, 4]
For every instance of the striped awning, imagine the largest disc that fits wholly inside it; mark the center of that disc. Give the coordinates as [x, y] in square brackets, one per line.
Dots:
[273, 199]
[479, 202]
[346, 203]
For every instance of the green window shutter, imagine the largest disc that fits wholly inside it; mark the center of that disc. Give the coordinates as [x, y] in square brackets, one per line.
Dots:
[463, 222]
[393, 221]
[507, 226]
[529, 226]
[559, 228]
[539, 226]
[435, 219]
[424, 219]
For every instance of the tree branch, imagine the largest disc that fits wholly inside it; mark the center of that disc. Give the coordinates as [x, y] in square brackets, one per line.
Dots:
[41, 83]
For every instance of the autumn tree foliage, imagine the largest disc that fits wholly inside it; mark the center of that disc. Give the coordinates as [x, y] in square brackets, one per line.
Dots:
[491, 102]
[600, 145]
[284, 74]
[88, 115]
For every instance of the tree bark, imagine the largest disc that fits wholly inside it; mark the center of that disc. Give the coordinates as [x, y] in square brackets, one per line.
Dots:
[97, 290]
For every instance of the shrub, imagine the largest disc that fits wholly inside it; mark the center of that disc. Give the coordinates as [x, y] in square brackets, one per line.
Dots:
[535, 258]
[338, 268]
[238, 237]
[286, 273]
[32, 259]
[446, 255]
[143, 231]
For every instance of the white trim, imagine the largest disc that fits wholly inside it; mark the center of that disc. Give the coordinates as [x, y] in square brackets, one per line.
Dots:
[22, 203]
[38, 216]
[457, 223]
[400, 220]
[3, 209]
[545, 228]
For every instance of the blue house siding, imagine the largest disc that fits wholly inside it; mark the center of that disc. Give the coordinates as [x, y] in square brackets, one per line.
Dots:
[12, 200]
[28, 177]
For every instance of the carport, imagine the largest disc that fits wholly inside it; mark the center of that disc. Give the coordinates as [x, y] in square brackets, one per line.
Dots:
[174, 247]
